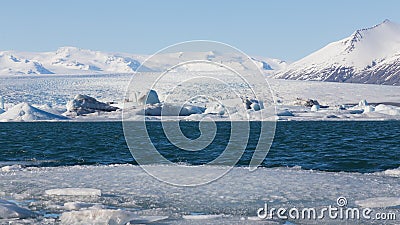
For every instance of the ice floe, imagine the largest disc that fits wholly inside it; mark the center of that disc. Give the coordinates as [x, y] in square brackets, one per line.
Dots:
[131, 195]
[74, 191]
[11, 210]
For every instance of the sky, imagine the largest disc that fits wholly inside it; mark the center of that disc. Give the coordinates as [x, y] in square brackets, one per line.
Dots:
[283, 29]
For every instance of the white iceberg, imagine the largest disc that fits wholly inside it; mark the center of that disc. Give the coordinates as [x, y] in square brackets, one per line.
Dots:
[368, 109]
[363, 103]
[145, 97]
[216, 109]
[168, 109]
[315, 108]
[26, 112]
[1, 104]
[83, 104]
[387, 109]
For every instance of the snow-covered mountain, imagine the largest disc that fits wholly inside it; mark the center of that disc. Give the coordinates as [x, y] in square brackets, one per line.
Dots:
[72, 60]
[369, 55]
[66, 60]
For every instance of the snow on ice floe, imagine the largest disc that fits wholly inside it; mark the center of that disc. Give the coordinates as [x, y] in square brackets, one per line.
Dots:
[128, 193]
[379, 202]
[202, 217]
[388, 110]
[106, 216]
[10, 168]
[74, 192]
[77, 205]
[26, 112]
[11, 210]
[390, 172]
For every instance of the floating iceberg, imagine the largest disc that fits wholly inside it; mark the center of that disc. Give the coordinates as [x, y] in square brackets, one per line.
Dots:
[26, 112]
[83, 104]
[168, 109]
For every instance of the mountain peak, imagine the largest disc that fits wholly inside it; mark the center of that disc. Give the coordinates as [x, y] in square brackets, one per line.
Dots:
[369, 55]
[386, 30]
[386, 21]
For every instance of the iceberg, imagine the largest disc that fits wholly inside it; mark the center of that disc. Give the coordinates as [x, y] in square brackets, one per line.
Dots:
[26, 112]
[83, 104]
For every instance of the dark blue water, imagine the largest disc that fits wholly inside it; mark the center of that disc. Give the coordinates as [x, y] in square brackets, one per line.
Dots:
[327, 146]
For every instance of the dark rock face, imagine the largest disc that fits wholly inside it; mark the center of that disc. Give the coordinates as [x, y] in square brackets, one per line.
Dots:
[83, 104]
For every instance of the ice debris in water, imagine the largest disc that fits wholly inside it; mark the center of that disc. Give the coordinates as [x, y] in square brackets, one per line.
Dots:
[74, 192]
[10, 210]
[106, 216]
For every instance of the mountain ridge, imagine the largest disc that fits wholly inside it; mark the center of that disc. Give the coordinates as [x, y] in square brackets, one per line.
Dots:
[73, 60]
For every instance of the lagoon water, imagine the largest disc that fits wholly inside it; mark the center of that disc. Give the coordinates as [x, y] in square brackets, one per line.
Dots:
[356, 146]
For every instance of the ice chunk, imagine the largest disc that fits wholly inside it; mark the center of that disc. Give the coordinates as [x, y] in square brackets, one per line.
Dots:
[387, 109]
[11, 168]
[145, 97]
[149, 97]
[311, 102]
[1, 104]
[11, 210]
[253, 104]
[26, 112]
[83, 104]
[201, 217]
[368, 108]
[74, 191]
[216, 109]
[77, 205]
[363, 103]
[167, 109]
[106, 216]
[392, 172]
[284, 113]
[379, 202]
[315, 108]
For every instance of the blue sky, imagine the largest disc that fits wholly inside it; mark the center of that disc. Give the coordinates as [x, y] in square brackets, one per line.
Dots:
[282, 29]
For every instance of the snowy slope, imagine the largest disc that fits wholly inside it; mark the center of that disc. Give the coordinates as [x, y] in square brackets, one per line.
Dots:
[369, 55]
[72, 60]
